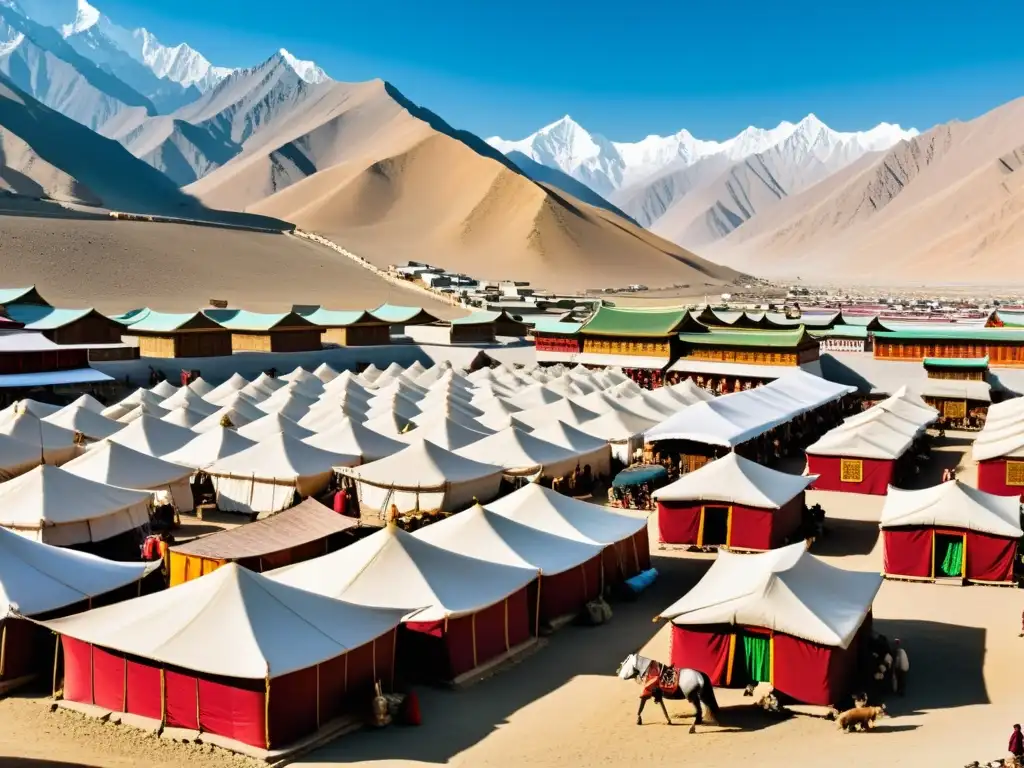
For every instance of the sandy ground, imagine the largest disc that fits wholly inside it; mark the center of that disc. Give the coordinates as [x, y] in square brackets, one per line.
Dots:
[563, 706]
[119, 265]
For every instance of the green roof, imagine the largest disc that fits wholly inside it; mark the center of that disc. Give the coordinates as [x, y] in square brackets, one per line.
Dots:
[39, 318]
[953, 334]
[614, 321]
[339, 318]
[549, 325]
[27, 295]
[244, 320]
[399, 315]
[840, 332]
[746, 338]
[1011, 318]
[968, 363]
[151, 321]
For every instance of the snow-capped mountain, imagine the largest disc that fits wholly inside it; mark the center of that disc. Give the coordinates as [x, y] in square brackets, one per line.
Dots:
[693, 190]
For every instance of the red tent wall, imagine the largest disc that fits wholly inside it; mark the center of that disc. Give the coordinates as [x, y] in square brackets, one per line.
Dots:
[445, 649]
[565, 594]
[992, 479]
[626, 558]
[678, 522]
[907, 551]
[300, 702]
[990, 558]
[875, 481]
[706, 650]
[751, 527]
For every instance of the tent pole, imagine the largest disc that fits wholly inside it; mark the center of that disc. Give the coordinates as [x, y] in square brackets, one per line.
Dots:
[536, 613]
[730, 659]
[124, 697]
[266, 708]
[933, 553]
[163, 697]
[3, 647]
[56, 659]
[473, 629]
[199, 724]
[92, 674]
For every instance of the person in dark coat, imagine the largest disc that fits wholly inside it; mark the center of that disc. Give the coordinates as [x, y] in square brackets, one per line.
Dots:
[1017, 743]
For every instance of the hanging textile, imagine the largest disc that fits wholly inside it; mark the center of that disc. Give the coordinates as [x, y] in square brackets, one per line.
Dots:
[953, 559]
[757, 658]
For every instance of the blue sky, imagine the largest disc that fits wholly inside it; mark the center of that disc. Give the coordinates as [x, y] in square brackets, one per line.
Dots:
[629, 69]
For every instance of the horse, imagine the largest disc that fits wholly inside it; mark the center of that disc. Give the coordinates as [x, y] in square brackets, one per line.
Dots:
[662, 681]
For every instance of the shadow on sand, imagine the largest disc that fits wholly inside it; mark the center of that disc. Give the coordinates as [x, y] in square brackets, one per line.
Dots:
[456, 720]
[844, 536]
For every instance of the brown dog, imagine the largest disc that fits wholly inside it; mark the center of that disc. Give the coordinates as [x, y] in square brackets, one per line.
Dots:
[864, 717]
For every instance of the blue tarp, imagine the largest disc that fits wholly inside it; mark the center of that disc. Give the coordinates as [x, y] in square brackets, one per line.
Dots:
[642, 473]
[53, 378]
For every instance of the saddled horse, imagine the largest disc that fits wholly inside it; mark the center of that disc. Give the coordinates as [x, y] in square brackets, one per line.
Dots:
[662, 681]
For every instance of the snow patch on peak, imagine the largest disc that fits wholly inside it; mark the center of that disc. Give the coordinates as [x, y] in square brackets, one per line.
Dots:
[307, 70]
[86, 17]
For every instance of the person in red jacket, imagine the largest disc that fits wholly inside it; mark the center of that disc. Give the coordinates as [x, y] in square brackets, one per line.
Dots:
[1017, 744]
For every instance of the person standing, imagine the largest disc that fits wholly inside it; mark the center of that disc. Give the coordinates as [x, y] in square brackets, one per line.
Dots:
[900, 668]
[1017, 744]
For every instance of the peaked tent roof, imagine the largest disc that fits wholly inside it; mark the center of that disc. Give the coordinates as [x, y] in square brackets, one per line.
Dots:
[547, 510]
[226, 389]
[351, 438]
[184, 417]
[480, 533]
[237, 417]
[17, 457]
[138, 412]
[210, 447]
[280, 457]
[616, 426]
[38, 578]
[564, 410]
[37, 432]
[90, 423]
[519, 452]
[737, 480]
[785, 590]
[50, 496]
[870, 440]
[568, 436]
[154, 437]
[231, 622]
[394, 569]
[116, 464]
[450, 435]
[89, 403]
[274, 424]
[421, 466]
[325, 373]
[953, 504]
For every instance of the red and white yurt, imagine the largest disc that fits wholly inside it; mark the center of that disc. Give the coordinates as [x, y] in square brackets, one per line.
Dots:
[460, 612]
[39, 581]
[999, 450]
[783, 617]
[627, 549]
[732, 502]
[950, 531]
[570, 570]
[234, 655]
[858, 459]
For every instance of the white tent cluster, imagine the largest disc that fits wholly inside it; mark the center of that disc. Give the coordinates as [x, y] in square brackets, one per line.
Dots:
[884, 431]
[1003, 433]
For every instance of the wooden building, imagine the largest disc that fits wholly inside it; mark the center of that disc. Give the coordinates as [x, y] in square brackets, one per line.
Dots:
[844, 338]
[264, 332]
[557, 336]
[169, 334]
[957, 388]
[350, 328]
[1002, 346]
[67, 326]
[398, 317]
[962, 369]
[482, 326]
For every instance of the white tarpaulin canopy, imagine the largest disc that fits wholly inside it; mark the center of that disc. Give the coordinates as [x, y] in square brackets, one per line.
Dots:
[424, 476]
[57, 444]
[736, 480]
[38, 578]
[517, 452]
[236, 383]
[446, 433]
[184, 417]
[17, 457]
[485, 535]
[210, 447]
[352, 438]
[86, 421]
[189, 399]
[154, 437]
[547, 510]
[116, 464]
[870, 440]
[163, 389]
[1003, 433]
[590, 450]
[52, 505]
[394, 569]
[785, 590]
[231, 622]
[271, 425]
[736, 418]
[563, 410]
[955, 505]
[265, 477]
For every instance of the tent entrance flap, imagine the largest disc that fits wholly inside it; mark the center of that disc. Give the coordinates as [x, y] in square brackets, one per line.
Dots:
[949, 555]
[714, 526]
[753, 661]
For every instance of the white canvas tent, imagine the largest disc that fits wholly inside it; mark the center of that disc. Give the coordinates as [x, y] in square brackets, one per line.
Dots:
[88, 402]
[485, 535]
[86, 421]
[955, 505]
[210, 447]
[519, 453]
[38, 578]
[228, 389]
[232, 622]
[565, 411]
[390, 424]
[623, 431]
[163, 389]
[56, 444]
[735, 480]
[274, 424]
[870, 440]
[116, 464]
[325, 373]
[424, 477]
[326, 418]
[56, 507]
[446, 433]
[266, 477]
[142, 410]
[590, 450]
[189, 399]
[353, 439]
[17, 458]
[394, 569]
[200, 386]
[183, 417]
[215, 420]
[154, 437]
[786, 590]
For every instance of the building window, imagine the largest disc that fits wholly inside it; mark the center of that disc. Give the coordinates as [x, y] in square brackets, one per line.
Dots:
[1015, 473]
[954, 409]
[851, 470]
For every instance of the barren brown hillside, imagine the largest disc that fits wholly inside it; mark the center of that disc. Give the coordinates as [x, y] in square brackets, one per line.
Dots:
[393, 182]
